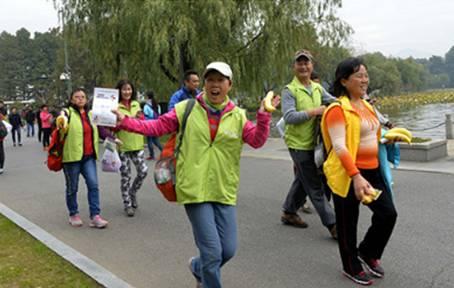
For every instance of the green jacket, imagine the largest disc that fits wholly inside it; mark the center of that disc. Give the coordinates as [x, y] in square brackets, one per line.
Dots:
[131, 141]
[301, 136]
[209, 171]
[73, 149]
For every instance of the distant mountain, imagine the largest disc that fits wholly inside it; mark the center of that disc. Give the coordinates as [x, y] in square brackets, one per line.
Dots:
[405, 53]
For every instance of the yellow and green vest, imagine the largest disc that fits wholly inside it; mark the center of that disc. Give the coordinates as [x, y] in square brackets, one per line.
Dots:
[209, 171]
[301, 136]
[131, 141]
[73, 149]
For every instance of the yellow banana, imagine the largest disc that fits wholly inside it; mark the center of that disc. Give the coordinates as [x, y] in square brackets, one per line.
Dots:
[394, 136]
[62, 121]
[367, 199]
[402, 131]
[268, 102]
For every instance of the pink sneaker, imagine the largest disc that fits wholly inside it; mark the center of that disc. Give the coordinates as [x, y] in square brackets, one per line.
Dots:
[98, 222]
[75, 221]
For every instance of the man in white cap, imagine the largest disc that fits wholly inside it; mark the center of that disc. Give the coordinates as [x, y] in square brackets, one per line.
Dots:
[208, 166]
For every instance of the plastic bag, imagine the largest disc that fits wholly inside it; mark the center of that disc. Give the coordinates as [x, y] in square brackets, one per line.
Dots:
[110, 161]
[8, 126]
[280, 125]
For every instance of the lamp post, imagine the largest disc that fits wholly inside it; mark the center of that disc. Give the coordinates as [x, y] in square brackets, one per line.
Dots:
[66, 75]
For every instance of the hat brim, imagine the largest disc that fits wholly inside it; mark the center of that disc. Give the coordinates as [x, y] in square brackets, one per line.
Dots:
[213, 69]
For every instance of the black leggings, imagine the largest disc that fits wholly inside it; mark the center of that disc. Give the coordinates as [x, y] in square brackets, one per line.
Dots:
[2, 154]
[46, 136]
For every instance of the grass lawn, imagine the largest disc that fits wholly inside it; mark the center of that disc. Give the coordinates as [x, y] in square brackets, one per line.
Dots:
[26, 262]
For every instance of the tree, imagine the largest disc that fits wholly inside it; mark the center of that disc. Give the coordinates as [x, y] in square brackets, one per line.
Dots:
[152, 41]
[413, 76]
[383, 74]
[449, 66]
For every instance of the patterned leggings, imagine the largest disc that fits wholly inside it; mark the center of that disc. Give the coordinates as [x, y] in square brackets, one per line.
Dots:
[128, 191]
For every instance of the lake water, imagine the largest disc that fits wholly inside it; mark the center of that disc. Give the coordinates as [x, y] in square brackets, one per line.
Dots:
[420, 120]
[416, 119]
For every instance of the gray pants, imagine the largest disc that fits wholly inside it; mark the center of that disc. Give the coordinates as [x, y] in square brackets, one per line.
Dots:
[308, 182]
[128, 191]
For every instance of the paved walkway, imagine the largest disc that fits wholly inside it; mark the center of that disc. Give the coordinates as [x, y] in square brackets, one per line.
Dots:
[151, 249]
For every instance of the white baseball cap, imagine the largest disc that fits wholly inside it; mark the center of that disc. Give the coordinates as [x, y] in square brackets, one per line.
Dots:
[221, 67]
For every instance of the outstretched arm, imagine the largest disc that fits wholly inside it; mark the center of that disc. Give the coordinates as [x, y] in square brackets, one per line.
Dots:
[165, 124]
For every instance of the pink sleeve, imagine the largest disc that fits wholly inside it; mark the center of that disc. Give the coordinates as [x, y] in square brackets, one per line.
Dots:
[165, 124]
[256, 135]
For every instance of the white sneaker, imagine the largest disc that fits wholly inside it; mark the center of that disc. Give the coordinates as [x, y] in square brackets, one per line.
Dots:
[1, 170]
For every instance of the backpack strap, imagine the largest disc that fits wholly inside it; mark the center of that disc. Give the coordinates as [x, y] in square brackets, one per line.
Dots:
[187, 111]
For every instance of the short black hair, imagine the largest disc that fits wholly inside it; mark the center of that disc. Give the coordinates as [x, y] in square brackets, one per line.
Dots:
[150, 94]
[122, 83]
[346, 68]
[188, 73]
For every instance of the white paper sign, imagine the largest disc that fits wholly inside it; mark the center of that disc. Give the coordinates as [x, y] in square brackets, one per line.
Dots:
[104, 100]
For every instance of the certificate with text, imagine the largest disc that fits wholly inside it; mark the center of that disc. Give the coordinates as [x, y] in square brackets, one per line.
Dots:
[104, 100]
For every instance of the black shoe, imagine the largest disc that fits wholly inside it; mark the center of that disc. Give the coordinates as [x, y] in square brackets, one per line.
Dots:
[20, 144]
[14, 144]
[129, 211]
[360, 278]
[372, 265]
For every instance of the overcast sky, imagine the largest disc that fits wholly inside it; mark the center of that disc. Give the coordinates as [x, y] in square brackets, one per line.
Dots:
[397, 27]
[419, 28]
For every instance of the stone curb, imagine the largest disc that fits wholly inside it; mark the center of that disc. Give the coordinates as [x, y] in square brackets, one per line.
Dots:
[83, 263]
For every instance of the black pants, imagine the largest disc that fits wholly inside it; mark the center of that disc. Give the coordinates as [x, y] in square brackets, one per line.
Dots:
[40, 133]
[2, 155]
[16, 129]
[46, 136]
[377, 236]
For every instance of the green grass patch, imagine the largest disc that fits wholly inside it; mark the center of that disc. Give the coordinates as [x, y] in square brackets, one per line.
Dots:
[420, 140]
[26, 262]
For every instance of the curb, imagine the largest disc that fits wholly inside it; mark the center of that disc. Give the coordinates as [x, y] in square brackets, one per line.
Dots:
[101, 275]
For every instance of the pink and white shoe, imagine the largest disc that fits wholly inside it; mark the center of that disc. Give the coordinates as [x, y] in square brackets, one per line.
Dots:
[98, 222]
[75, 221]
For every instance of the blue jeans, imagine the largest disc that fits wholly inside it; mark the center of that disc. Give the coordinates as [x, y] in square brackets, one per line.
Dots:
[215, 234]
[153, 140]
[30, 129]
[72, 170]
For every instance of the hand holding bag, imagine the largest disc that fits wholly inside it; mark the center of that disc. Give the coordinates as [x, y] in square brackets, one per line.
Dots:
[110, 161]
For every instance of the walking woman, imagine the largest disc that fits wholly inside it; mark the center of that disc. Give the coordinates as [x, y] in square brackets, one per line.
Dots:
[2, 137]
[208, 166]
[351, 132]
[80, 152]
[131, 149]
[46, 124]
